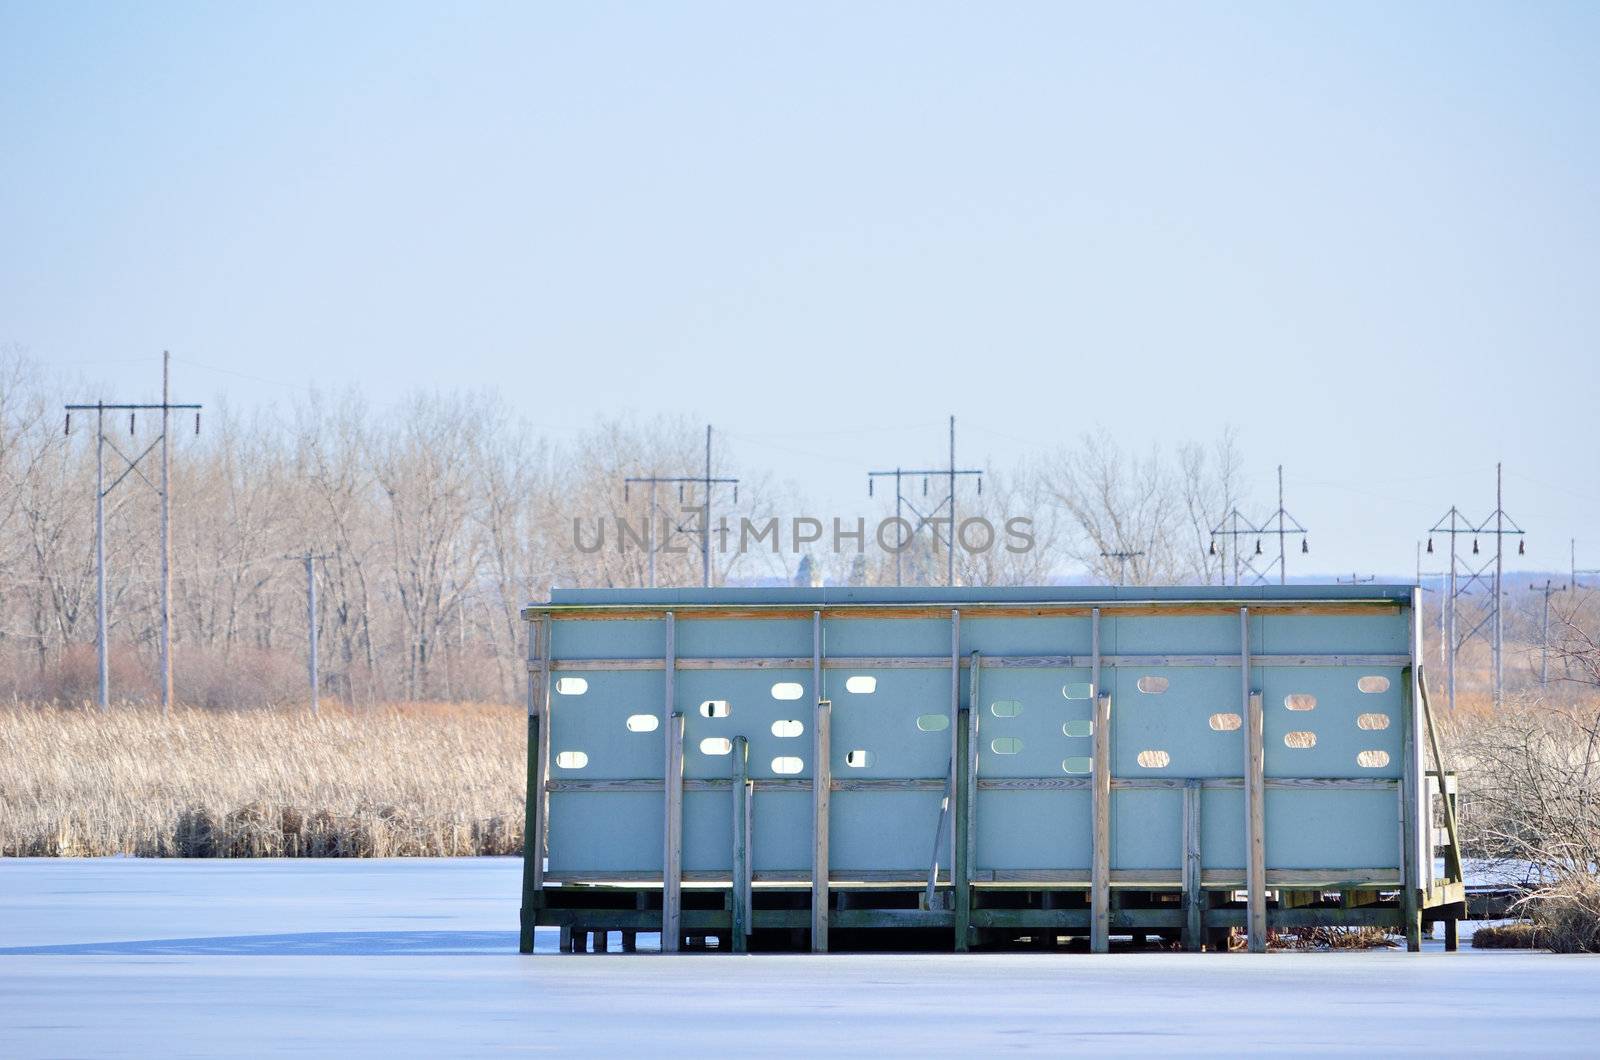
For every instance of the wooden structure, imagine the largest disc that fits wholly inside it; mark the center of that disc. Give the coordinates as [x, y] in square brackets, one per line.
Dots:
[866, 768]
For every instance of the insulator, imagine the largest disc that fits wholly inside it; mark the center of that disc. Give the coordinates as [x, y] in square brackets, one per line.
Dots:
[1430, 546]
[1258, 546]
[680, 493]
[870, 481]
[131, 415]
[924, 487]
[1474, 546]
[736, 493]
[69, 424]
[980, 485]
[1213, 549]
[1522, 548]
[197, 423]
[624, 493]
[1305, 546]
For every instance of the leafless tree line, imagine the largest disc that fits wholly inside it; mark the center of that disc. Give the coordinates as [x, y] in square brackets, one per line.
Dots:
[435, 520]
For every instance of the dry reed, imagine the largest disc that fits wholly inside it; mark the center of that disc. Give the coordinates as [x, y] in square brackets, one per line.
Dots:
[423, 780]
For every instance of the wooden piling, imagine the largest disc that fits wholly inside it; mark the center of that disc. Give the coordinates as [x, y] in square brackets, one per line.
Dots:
[1193, 894]
[739, 880]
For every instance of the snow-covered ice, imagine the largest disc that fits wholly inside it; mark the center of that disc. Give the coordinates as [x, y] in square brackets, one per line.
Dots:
[417, 958]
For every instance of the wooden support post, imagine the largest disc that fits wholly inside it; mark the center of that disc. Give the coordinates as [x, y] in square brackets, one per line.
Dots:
[672, 845]
[566, 945]
[1452, 854]
[1193, 895]
[821, 789]
[1411, 875]
[533, 815]
[1451, 936]
[967, 815]
[739, 878]
[1254, 799]
[961, 869]
[1100, 773]
[672, 803]
[602, 940]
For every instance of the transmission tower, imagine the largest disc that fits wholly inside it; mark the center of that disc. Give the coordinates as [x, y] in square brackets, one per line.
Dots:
[164, 491]
[1122, 559]
[706, 482]
[1287, 526]
[1422, 574]
[1501, 526]
[1548, 589]
[901, 502]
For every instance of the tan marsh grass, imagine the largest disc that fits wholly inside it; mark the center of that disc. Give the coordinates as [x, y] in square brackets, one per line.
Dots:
[423, 779]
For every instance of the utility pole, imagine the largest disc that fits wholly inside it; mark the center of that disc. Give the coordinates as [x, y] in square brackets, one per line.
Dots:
[313, 669]
[1122, 559]
[1572, 543]
[1501, 526]
[706, 482]
[1287, 526]
[164, 491]
[1544, 631]
[950, 473]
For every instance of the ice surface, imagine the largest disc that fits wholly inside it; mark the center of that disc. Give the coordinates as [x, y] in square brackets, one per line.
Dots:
[125, 957]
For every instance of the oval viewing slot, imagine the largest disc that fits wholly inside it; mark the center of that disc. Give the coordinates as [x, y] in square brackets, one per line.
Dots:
[1154, 759]
[1372, 722]
[1081, 690]
[571, 760]
[787, 729]
[1300, 740]
[643, 723]
[716, 745]
[571, 686]
[861, 685]
[787, 765]
[1005, 745]
[1077, 764]
[1372, 759]
[858, 759]
[933, 722]
[1151, 685]
[714, 708]
[1300, 701]
[788, 690]
[1225, 722]
[1006, 708]
[1081, 727]
[1373, 683]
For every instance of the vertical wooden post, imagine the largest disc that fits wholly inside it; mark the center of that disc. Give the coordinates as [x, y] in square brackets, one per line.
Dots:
[739, 878]
[955, 732]
[967, 815]
[1452, 854]
[1100, 794]
[1255, 852]
[533, 810]
[672, 803]
[1193, 896]
[1410, 877]
[821, 792]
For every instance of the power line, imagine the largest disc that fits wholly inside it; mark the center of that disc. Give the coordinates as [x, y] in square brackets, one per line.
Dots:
[164, 491]
[706, 482]
[932, 518]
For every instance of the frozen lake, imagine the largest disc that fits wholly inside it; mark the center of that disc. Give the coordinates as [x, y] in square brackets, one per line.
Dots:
[113, 957]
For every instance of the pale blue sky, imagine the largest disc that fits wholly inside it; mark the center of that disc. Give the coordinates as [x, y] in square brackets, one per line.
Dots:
[1364, 233]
